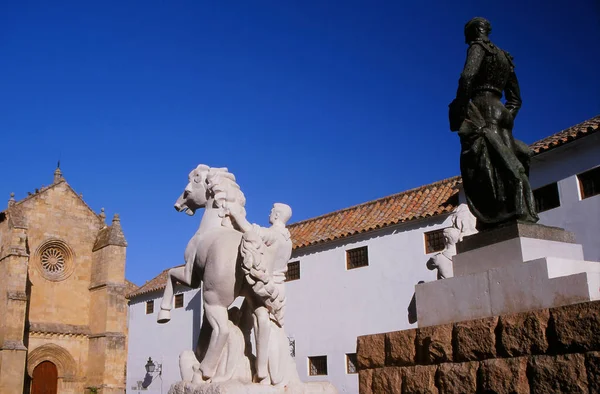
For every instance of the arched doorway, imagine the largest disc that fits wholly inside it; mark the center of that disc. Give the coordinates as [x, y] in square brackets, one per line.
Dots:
[44, 379]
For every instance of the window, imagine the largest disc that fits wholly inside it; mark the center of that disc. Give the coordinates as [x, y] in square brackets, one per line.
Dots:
[351, 363]
[292, 343]
[357, 257]
[434, 241]
[589, 183]
[179, 301]
[293, 271]
[149, 307]
[317, 365]
[546, 197]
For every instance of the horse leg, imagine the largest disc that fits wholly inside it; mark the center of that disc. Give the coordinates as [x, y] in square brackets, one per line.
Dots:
[219, 320]
[174, 275]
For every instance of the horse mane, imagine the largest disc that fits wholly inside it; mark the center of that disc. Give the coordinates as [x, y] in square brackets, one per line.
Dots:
[226, 191]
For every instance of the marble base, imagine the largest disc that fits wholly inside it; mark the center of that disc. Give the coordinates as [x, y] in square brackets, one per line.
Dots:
[233, 387]
[510, 276]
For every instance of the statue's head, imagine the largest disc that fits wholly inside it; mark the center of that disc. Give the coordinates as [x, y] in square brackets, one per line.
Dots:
[451, 235]
[280, 212]
[477, 28]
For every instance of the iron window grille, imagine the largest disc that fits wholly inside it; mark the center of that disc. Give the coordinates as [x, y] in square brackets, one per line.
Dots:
[293, 271]
[357, 257]
[434, 241]
[149, 307]
[317, 365]
[179, 301]
[351, 363]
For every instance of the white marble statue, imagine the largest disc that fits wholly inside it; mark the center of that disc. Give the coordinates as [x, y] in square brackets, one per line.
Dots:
[464, 221]
[463, 224]
[442, 261]
[234, 258]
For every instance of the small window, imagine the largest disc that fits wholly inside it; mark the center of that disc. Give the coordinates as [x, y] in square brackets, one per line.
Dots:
[546, 197]
[317, 365]
[293, 271]
[351, 363]
[589, 183]
[179, 301]
[149, 307]
[357, 257]
[292, 343]
[434, 241]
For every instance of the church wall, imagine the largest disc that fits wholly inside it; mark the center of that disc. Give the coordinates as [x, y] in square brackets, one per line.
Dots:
[57, 213]
[4, 234]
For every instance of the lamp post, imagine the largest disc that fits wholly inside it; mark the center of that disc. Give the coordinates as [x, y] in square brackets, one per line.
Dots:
[151, 367]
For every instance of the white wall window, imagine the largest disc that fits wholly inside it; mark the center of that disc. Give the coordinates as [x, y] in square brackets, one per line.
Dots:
[357, 257]
[317, 365]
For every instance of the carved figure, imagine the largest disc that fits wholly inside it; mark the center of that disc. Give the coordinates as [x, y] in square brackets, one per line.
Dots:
[464, 221]
[463, 224]
[494, 165]
[233, 258]
[442, 261]
[266, 252]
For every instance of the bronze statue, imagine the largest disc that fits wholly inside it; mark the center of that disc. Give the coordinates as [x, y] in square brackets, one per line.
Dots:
[494, 165]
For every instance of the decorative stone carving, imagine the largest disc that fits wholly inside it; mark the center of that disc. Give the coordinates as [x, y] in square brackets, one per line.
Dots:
[54, 260]
[234, 258]
[463, 224]
[65, 363]
[443, 261]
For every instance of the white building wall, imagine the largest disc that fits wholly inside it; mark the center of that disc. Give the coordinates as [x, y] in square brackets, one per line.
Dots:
[162, 342]
[562, 165]
[329, 306]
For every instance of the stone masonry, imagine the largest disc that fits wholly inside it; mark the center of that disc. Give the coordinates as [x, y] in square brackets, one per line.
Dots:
[539, 352]
[62, 293]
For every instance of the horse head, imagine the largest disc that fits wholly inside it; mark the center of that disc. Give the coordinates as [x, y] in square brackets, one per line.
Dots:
[195, 194]
[216, 185]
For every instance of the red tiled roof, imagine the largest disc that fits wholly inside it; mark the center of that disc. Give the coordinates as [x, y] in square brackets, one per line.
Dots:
[130, 287]
[425, 201]
[562, 137]
[157, 283]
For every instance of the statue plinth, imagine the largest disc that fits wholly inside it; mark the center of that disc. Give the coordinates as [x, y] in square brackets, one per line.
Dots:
[233, 387]
[513, 268]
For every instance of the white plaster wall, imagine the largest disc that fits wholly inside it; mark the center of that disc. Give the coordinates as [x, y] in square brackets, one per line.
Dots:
[162, 342]
[329, 306]
[574, 214]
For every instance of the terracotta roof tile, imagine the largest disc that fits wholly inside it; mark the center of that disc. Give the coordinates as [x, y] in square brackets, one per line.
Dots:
[562, 137]
[130, 287]
[424, 201]
[157, 283]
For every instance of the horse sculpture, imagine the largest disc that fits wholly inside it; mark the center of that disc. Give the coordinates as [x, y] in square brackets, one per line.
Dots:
[230, 263]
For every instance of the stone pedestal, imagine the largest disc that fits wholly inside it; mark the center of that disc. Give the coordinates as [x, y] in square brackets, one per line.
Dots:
[233, 387]
[514, 268]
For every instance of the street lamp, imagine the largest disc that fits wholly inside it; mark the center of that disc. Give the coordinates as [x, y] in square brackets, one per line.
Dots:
[150, 366]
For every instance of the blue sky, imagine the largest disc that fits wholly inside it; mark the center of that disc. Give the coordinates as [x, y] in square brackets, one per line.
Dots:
[319, 104]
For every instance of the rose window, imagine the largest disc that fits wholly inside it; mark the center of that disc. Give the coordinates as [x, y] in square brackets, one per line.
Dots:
[53, 261]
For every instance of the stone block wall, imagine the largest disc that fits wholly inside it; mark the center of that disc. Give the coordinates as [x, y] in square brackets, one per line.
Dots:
[545, 351]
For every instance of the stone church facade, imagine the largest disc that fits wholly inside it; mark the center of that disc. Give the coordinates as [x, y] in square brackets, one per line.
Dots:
[62, 295]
